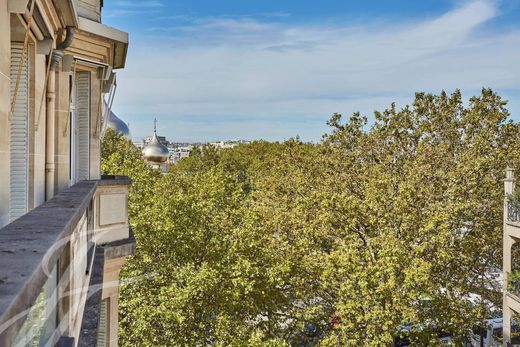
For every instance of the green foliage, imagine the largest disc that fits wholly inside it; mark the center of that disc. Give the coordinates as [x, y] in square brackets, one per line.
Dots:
[121, 158]
[424, 193]
[343, 243]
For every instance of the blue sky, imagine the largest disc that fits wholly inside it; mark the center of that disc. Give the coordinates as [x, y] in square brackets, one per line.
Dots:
[272, 69]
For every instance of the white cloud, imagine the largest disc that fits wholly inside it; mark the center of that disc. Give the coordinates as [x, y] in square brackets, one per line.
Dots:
[294, 77]
[139, 4]
[124, 8]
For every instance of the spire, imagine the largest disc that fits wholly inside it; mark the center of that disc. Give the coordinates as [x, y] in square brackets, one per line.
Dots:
[155, 151]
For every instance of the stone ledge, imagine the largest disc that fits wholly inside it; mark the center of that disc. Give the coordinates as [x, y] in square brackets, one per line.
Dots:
[111, 180]
[120, 248]
[29, 244]
[32, 242]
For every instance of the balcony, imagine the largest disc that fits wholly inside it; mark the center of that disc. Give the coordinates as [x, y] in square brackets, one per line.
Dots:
[53, 262]
[513, 283]
[513, 212]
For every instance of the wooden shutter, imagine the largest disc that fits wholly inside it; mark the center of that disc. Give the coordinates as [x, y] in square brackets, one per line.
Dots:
[82, 130]
[103, 324]
[19, 135]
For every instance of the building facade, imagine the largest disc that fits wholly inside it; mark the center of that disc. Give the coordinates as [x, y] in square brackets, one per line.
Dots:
[64, 229]
[179, 152]
[510, 269]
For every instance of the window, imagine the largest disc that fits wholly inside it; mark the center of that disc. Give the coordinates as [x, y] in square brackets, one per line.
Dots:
[19, 133]
[103, 329]
[80, 128]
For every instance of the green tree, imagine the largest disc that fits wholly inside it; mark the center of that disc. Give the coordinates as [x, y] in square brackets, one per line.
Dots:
[420, 195]
[378, 231]
[121, 158]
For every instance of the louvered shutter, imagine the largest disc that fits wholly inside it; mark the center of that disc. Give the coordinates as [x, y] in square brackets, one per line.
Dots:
[82, 130]
[18, 143]
[103, 324]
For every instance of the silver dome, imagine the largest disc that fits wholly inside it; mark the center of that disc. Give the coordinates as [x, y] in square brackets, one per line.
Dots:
[155, 151]
[116, 124]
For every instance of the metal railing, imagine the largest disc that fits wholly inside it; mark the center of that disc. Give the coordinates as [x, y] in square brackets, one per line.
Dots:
[513, 283]
[513, 212]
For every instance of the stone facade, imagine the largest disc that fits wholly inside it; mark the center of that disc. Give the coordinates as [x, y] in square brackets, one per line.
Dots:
[511, 288]
[72, 219]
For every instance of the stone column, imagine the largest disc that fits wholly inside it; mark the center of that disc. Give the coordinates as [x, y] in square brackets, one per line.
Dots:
[509, 181]
[62, 132]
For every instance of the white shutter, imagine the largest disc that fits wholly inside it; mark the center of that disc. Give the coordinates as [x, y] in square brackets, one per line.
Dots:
[103, 324]
[19, 135]
[82, 130]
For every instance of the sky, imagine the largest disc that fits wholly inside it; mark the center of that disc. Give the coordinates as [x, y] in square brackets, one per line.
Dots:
[273, 69]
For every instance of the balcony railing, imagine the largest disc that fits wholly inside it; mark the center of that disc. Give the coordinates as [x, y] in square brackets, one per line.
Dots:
[513, 212]
[52, 259]
[513, 283]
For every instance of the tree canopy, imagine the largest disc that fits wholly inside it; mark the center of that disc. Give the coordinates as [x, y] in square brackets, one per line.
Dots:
[380, 230]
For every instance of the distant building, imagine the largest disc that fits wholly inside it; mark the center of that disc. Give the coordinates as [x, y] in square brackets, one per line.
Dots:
[180, 150]
[142, 144]
[177, 153]
[161, 139]
[228, 144]
[139, 144]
